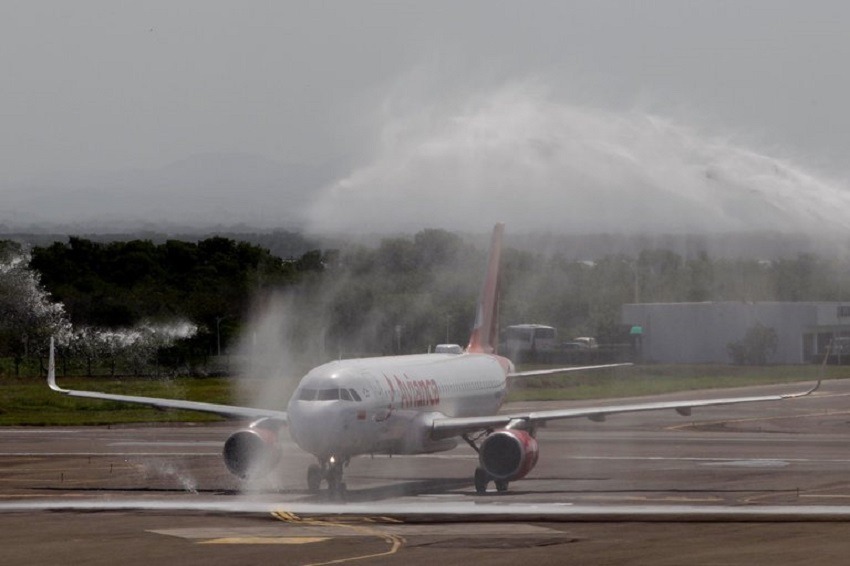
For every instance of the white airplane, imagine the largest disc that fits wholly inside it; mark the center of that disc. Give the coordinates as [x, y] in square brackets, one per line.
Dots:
[410, 404]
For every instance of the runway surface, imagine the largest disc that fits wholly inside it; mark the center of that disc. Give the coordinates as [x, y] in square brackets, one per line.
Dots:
[738, 485]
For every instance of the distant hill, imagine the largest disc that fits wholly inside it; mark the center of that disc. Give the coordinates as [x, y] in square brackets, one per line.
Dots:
[201, 190]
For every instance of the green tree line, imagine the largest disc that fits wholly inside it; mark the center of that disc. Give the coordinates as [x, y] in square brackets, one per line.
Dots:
[174, 303]
[120, 283]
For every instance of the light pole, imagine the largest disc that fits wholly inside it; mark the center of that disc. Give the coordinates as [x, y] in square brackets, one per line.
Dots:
[218, 320]
[637, 281]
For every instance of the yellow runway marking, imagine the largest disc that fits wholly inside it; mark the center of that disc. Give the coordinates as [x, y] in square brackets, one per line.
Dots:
[395, 541]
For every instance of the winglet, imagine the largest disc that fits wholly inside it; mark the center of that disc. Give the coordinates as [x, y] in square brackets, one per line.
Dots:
[803, 393]
[485, 333]
[51, 370]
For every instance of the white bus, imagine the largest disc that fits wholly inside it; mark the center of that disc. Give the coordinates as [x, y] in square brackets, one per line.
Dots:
[527, 341]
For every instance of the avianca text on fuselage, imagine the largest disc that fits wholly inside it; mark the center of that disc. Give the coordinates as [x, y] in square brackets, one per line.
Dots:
[413, 393]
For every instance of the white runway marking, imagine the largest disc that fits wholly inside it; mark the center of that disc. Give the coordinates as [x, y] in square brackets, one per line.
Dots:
[436, 512]
[717, 461]
[50, 431]
[748, 464]
[127, 454]
[216, 443]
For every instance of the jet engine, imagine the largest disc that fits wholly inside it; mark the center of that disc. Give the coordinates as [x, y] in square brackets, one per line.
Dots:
[254, 451]
[508, 454]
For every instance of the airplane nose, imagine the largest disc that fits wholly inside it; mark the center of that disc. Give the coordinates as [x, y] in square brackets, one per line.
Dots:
[313, 427]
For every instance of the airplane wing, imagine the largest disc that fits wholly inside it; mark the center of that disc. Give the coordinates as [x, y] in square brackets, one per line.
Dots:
[446, 427]
[532, 373]
[229, 411]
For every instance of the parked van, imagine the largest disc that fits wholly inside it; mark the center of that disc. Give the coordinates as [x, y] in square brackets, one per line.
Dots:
[529, 341]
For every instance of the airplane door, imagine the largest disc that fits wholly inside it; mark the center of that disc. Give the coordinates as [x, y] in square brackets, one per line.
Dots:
[382, 399]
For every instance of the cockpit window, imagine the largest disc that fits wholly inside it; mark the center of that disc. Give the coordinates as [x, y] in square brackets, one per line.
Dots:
[334, 394]
[307, 394]
[328, 394]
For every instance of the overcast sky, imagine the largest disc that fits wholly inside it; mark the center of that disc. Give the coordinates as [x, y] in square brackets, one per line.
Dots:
[429, 108]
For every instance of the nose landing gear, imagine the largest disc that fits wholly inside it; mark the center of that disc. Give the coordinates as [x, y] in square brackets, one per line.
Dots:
[328, 470]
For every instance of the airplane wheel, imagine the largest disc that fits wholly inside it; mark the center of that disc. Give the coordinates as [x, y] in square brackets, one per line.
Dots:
[481, 481]
[501, 485]
[336, 489]
[314, 478]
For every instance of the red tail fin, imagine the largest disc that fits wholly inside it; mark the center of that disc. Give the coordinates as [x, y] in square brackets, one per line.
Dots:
[485, 333]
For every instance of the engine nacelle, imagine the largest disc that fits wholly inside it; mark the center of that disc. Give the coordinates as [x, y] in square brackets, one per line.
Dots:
[254, 451]
[508, 454]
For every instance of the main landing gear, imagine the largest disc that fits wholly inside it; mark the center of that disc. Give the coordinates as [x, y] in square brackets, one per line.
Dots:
[330, 471]
[482, 478]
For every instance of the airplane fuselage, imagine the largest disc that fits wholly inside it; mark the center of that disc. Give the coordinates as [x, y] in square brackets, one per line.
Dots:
[386, 405]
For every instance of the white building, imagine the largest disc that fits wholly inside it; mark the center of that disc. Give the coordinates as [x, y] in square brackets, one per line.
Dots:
[701, 332]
